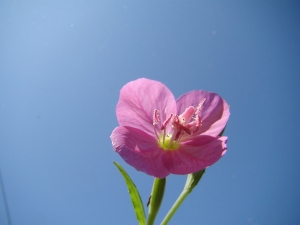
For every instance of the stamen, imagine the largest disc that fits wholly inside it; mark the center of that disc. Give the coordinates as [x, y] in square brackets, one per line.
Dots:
[165, 123]
[156, 133]
[163, 127]
[155, 120]
[200, 106]
[155, 117]
[198, 124]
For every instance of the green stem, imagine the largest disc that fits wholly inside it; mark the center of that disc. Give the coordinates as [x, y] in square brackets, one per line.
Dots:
[174, 208]
[157, 195]
[191, 182]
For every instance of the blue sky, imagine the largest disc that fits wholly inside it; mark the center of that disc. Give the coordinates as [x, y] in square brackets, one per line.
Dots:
[62, 65]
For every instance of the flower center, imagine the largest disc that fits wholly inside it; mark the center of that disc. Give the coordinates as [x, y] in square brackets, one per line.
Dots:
[166, 143]
[175, 127]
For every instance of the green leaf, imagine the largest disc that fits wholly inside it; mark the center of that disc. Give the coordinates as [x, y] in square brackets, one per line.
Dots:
[134, 195]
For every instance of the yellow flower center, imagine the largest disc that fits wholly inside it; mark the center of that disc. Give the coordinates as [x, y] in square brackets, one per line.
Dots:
[167, 144]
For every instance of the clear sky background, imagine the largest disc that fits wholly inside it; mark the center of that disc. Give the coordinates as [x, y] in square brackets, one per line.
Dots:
[62, 65]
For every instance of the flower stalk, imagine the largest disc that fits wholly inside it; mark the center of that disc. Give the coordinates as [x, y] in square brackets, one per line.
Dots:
[191, 182]
[156, 198]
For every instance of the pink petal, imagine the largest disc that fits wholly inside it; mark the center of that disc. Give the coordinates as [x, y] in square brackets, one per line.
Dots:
[195, 155]
[139, 150]
[214, 112]
[139, 99]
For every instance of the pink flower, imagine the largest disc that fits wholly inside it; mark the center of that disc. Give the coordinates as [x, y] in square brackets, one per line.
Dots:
[159, 135]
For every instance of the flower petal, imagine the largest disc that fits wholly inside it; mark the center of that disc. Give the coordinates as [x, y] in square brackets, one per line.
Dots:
[214, 112]
[195, 155]
[139, 150]
[139, 99]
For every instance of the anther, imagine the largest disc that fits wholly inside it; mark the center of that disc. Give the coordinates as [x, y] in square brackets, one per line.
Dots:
[200, 106]
[155, 117]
